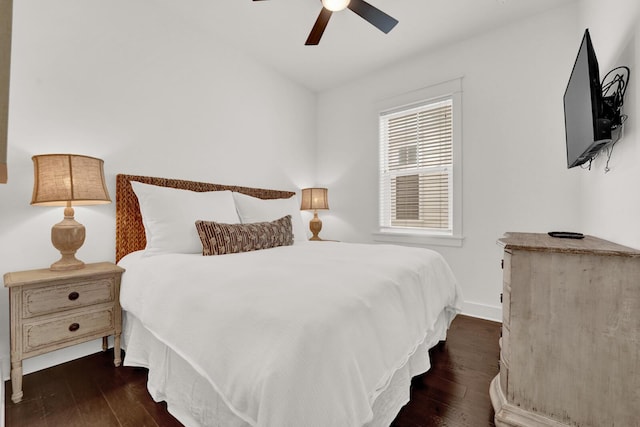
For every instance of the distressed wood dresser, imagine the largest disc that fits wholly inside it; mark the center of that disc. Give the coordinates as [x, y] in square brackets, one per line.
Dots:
[570, 346]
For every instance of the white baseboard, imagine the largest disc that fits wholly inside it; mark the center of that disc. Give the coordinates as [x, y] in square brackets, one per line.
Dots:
[482, 311]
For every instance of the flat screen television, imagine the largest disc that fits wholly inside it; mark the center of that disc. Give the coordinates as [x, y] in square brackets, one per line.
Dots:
[587, 130]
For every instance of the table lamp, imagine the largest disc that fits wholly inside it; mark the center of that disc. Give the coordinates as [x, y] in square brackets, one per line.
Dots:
[314, 199]
[68, 180]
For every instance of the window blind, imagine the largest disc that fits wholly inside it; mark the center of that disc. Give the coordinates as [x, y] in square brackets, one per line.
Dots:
[416, 165]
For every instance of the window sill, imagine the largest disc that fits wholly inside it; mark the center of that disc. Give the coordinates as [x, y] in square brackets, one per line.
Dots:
[417, 239]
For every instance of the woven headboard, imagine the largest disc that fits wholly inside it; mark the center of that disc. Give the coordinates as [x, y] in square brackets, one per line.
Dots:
[130, 235]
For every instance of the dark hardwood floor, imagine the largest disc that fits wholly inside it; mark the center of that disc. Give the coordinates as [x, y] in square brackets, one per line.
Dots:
[91, 392]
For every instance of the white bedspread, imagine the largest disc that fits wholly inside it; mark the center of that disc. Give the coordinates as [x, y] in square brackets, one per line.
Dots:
[304, 335]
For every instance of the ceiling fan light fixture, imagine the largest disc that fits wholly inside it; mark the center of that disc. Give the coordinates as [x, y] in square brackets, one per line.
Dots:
[335, 5]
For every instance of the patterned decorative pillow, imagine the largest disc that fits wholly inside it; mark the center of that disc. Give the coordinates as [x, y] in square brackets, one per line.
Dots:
[219, 239]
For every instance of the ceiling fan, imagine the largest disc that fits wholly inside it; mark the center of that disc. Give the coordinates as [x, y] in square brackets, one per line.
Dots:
[371, 14]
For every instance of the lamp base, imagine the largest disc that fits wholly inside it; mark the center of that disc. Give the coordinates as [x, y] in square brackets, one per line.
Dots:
[315, 225]
[66, 263]
[67, 236]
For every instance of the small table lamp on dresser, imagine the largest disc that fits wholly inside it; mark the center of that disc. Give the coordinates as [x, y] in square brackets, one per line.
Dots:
[314, 199]
[69, 302]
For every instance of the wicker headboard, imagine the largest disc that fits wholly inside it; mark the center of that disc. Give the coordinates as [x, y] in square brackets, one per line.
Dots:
[130, 235]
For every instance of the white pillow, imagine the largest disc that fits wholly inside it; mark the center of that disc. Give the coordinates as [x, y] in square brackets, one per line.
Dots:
[252, 209]
[169, 216]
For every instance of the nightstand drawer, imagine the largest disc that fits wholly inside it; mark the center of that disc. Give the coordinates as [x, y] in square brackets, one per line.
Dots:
[53, 299]
[50, 331]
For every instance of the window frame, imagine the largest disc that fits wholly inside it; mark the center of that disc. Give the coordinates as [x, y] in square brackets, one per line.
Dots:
[451, 89]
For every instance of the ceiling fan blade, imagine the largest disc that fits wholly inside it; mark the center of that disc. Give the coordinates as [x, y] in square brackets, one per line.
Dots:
[373, 15]
[318, 27]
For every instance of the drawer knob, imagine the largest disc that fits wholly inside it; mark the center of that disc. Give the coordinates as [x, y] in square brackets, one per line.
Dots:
[74, 327]
[74, 296]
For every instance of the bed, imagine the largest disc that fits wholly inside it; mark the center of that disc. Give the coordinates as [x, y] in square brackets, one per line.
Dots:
[298, 334]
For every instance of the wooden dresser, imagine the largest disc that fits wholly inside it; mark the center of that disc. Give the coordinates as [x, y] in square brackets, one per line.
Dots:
[570, 346]
[55, 309]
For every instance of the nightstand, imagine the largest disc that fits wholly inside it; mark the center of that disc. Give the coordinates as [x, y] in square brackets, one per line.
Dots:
[51, 310]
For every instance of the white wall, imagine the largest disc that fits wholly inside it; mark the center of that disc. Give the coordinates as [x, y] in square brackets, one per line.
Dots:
[131, 84]
[611, 202]
[514, 161]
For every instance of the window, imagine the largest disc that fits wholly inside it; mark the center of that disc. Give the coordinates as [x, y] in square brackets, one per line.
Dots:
[419, 146]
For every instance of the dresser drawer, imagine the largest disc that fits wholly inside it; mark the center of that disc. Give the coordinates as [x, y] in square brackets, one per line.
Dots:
[50, 299]
[506, 267]
[505, 344]
[504, 376]
[504, 359]
[51, 331]
[506, 304]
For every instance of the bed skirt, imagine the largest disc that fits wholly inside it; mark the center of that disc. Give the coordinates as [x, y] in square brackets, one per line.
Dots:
[194, 402]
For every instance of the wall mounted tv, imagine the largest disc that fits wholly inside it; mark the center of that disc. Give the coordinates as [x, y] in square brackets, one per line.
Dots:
[589, 115]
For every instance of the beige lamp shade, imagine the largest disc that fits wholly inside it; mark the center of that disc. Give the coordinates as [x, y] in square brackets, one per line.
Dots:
[63, 178]
[67, 180]
[314, 199]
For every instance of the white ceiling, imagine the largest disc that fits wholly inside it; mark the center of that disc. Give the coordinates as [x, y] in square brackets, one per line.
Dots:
[274, 31]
